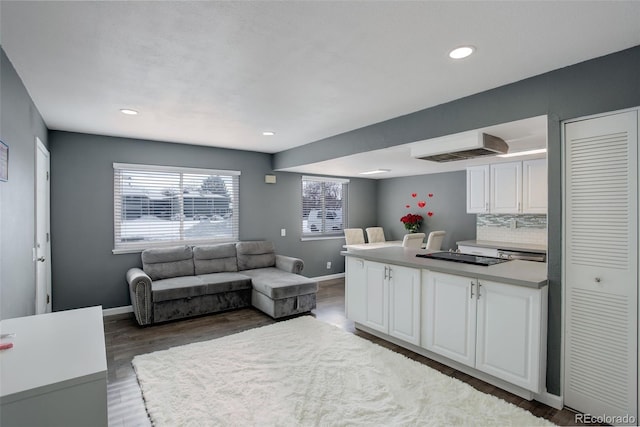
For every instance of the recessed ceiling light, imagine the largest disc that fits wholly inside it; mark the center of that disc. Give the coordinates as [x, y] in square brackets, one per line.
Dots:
[524, 153]
[373, 172]
[268, 133]
[128, 111]
[461, 52]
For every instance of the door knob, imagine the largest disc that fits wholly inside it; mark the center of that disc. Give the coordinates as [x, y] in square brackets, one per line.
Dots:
[598, 280]
[41, 259]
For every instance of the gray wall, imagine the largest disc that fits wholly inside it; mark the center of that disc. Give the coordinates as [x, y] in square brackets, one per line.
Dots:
[448, 205]
[603, 84]
[20, 123]
[85, 272]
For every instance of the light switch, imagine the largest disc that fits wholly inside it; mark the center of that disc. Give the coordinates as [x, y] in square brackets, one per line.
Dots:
[283, 232]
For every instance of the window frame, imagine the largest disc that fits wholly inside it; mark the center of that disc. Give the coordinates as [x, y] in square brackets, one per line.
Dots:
[120, 247]
[309, 235]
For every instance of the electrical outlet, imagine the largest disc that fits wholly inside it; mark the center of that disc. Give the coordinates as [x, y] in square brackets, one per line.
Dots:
[513, 223]
[328, 265]
[283, 232]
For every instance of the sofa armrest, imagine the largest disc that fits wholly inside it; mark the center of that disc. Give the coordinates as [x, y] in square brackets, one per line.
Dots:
[289, 264]
[140, 291]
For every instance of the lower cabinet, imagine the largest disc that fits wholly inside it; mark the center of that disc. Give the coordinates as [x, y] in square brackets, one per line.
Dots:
[355, 289]
[496, 328]
[493, 327]
[384, 297]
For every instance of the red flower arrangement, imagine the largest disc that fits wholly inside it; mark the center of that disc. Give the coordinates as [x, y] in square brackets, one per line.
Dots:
[412, 222]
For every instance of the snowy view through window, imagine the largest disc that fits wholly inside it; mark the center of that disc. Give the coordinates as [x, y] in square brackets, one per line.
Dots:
[156, 206]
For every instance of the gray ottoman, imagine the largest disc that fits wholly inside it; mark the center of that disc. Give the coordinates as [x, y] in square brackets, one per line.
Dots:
[277, 288]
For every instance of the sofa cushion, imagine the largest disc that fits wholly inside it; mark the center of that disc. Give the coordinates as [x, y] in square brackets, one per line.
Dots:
[278, 284]
[164, 263]
[224, 282]
[215, 258]
[177, 288]
[258, 254]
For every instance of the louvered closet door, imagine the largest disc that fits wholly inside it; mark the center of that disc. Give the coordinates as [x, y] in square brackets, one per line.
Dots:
[601, 264]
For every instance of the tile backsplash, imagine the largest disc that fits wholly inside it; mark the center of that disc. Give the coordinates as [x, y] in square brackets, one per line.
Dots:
[529, 228]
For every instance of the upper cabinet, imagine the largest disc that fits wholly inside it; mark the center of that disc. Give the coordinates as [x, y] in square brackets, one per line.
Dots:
[478, 189]
[534, 186]
[508, 188]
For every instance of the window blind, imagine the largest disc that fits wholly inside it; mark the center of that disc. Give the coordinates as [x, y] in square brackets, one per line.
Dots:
[324, 206]
[163, 206]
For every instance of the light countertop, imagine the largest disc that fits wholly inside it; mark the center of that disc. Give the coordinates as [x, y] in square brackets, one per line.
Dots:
[507, 246]
[516, 272]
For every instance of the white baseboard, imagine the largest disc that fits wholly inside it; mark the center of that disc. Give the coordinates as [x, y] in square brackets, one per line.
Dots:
[550, 399]
[117, 310]
[328, 277]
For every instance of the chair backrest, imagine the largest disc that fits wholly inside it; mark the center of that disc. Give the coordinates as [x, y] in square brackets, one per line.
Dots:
[434, 241]
[413, 240]
[353, 236]
[375, 234]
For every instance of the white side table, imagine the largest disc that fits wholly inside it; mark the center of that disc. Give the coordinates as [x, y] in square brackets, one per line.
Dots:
[56, 373]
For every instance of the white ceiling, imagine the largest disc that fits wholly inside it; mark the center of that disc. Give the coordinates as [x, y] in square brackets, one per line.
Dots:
[220, 73]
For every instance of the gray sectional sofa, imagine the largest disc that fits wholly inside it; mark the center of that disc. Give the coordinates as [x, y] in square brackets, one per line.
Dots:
[185, 281]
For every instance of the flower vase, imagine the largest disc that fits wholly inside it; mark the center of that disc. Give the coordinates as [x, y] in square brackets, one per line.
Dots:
[412, 228]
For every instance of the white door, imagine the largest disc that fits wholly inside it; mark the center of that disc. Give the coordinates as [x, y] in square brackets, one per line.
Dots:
[377, 312]
[509, 333]
[534, 186]
[601, 264]
[478, 189]
[404, 303]
[449, 316]
[506, 187]
[355, 294]
[42, 250]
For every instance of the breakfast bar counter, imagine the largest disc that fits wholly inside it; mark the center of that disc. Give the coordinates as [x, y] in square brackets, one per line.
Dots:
[516, 272]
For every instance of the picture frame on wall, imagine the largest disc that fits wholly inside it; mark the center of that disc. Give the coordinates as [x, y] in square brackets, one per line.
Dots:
[4, 162]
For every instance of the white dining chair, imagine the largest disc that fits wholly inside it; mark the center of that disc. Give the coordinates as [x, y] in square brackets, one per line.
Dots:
[434, 241]
[375, 235]
[413, 240]
[353, 236]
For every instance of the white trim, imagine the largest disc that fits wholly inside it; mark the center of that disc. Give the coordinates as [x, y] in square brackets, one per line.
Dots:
[117, 310]
[550, 400]
[325, 179]
[159, 168]
[328, 277]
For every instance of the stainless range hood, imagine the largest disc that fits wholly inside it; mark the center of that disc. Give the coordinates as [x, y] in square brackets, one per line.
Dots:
[463, 146]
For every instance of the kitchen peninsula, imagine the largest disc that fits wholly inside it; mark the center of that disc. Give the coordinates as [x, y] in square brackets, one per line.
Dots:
[486, 321]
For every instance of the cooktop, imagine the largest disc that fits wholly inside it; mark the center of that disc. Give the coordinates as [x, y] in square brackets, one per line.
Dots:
[465, 258]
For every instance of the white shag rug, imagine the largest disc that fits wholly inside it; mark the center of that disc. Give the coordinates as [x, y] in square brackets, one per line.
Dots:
[304, 372]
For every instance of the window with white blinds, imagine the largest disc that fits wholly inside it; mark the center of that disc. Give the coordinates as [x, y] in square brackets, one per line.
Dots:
[162, 206]
[324, 206]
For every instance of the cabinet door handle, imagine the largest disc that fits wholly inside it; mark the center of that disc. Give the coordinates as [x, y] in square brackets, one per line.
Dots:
[486, 207]
[519, 207]
[471, 290]
[390, 270]
[385, 271]
[479, 294]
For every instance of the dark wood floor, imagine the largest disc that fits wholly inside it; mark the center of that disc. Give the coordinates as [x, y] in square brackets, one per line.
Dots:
[125, 339]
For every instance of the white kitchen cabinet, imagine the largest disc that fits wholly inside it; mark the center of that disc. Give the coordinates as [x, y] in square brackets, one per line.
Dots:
[508, 333]
[355, 293]
[478, 189]
[404, 303]
[377, 296]
[506, 188]
[384, 297]
[449, 323]
[534, 186]
[493, 327]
